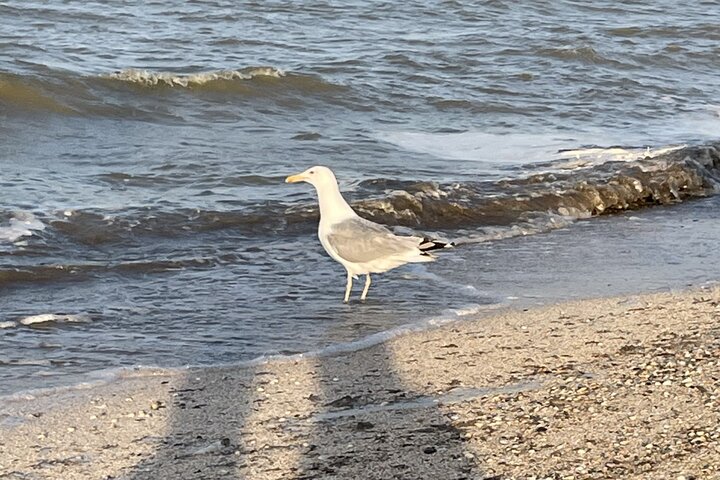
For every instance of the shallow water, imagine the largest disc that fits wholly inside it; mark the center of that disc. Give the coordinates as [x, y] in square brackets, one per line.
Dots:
[143, 218]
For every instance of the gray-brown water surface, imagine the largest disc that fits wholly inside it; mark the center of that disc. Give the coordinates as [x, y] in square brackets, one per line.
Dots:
[143, 218]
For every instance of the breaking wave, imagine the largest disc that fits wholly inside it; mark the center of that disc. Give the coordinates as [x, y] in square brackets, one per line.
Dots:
[29, 94]
[610, 187]
[54, 318]
[131, 93]
[148, 78]
[552, 195]
[20, 224]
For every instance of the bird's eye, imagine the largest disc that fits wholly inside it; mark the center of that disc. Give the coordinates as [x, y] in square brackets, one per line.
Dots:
[312, 172]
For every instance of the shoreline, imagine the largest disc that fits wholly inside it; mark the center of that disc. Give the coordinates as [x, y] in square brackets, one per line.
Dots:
[620, 387]
[649, 251]
[102, 378]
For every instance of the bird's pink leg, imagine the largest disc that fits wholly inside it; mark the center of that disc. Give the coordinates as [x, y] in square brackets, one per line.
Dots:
[367, 287]
[348, 288]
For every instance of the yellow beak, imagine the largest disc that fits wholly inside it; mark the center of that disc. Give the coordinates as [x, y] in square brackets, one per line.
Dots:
[295, 178]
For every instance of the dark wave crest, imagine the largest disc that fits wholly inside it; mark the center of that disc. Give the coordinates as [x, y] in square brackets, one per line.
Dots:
[610, 187]
[607, 188]
[20, 93]
[132, 93]
[87, 227]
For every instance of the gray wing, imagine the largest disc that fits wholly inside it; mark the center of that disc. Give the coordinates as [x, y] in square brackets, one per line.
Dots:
[359, 241]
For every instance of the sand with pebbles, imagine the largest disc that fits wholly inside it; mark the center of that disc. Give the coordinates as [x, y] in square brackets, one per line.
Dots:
[612, 388]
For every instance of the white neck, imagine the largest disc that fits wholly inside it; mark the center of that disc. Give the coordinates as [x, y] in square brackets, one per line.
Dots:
[333, 207]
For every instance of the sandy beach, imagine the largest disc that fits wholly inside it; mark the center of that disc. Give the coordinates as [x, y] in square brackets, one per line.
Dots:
[172, 308]
[624, 387]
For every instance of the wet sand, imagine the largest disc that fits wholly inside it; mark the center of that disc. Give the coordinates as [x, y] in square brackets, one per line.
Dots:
[623, 387]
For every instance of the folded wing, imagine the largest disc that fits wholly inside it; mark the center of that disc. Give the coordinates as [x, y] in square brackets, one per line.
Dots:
[358, 240]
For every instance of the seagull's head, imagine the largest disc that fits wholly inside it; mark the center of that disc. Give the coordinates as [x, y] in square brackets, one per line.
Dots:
[319, 177]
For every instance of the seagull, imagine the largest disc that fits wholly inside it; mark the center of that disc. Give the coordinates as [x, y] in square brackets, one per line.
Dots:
[361, 246]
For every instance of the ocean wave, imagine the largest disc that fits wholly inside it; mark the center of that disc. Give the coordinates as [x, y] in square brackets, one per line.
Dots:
[19, 93]
[584, 54]
[148, 78]
[14, 362]
[21, 224]
[41, 273]
[612, 186]
[548, 196]
[131, 93]
[75, 272]
[54, 318]
[250, 82]
[89, 227]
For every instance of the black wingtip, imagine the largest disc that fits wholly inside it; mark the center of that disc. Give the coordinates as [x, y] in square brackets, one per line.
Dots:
[428, 245]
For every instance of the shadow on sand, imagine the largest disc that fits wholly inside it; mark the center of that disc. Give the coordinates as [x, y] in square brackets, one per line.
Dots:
[337, 417]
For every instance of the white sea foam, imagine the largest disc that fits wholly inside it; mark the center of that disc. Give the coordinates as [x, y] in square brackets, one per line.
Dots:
[55, 318]
[22, 224]
[418, 271]
[588, 157]
[480, 146]
[35, 362]
[517, 148]
[145, 77]
[542, 222]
